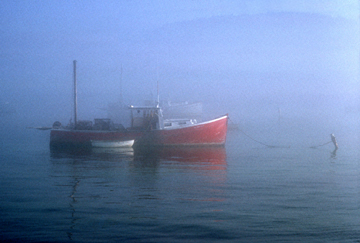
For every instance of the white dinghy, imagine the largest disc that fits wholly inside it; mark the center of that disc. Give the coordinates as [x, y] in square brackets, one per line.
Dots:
[112, 144]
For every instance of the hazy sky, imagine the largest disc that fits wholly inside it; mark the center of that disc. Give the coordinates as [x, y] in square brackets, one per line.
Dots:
[231, 52]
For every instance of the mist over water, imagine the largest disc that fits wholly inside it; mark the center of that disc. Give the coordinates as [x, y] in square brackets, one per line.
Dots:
[243, 192]
[248, 65]
[287, 73]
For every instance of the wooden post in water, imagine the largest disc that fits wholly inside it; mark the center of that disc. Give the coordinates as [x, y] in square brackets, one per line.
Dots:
[75, 97]
[333, 139]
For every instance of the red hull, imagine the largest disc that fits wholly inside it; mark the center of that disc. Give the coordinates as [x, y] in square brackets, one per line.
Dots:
[207, 133]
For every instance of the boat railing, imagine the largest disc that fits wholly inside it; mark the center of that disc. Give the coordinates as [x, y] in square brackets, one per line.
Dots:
[177, 123]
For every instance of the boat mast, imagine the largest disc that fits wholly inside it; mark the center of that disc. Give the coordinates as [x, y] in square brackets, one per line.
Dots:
[75, 97]
[121, 92]
[158, 97]
[157, 83]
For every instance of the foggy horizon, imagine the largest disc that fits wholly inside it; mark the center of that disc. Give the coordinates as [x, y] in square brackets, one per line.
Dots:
[246, 59]
[268, 150]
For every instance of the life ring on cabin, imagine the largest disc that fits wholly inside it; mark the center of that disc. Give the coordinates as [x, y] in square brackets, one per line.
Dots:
[56, 125]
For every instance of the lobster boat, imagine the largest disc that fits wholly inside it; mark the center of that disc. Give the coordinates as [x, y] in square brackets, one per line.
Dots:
[148, 128]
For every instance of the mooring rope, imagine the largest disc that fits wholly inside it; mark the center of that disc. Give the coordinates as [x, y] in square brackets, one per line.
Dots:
[320, 145]
[333, 140]
[267, 145]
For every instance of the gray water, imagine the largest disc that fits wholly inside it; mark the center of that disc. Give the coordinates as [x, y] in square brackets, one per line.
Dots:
[245, 192]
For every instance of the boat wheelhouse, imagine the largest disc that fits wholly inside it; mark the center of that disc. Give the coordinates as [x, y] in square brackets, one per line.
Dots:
[176, 132]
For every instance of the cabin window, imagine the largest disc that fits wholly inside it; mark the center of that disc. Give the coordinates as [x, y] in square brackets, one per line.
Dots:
[182, 123]
[168, 124]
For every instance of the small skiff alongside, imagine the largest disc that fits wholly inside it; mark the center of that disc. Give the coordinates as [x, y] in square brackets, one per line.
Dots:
[112, 144]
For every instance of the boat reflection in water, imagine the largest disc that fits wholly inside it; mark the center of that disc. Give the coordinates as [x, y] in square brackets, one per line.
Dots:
[92, 153]
[120, 188]
[207, 157]
[202, 159]
[190, 173]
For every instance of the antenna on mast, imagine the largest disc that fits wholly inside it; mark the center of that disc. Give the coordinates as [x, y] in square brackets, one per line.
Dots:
[158, 98]
[157, 82]
[121, 95]
[75, 96]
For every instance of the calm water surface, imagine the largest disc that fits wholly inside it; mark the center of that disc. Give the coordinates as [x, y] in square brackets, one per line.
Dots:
[244, 192]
